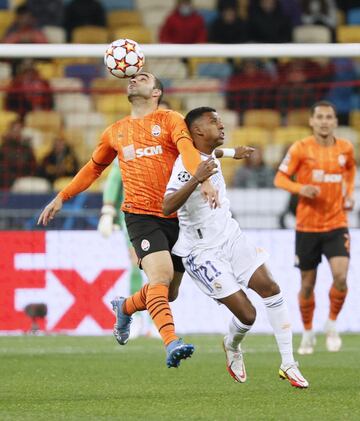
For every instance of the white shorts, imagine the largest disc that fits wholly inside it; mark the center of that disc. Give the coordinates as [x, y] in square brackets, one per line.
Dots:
[224, 270]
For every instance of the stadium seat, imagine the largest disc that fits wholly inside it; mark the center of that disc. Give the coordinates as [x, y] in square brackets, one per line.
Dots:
[107, 84]
[205, 4]
[155, 4]
[55, 34]
[66, 83]
[311, 34]
[85, 120]
[5, 71]
[209, 15]
[228, 169]
[119, 18]
[90, 35]
[298, 117]
[267, 119]
[7, 117]
[85, 72]
[355, 119]
[118, 4]
[274, 153]
[45, 121]
[48, 70]
[348, 133]
[287, 135]
[348, 33]
[229, 118]
[249, 136]
[139, 33]
[61, 183]
[117, 103]
[201, 99]
[353, 16]
[31, 185]
[215, 70]
[195, 62]
[6, 19]
[76, 102]
[167, 67]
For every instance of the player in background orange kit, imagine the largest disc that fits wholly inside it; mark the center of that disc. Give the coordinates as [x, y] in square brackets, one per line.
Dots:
[324, 167]
[147, 144]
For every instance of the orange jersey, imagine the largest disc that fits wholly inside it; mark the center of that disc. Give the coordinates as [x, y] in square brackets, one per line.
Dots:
[332, 169]
[147, 149]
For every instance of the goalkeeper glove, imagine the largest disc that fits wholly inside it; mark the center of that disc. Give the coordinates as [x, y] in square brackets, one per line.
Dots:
[106, 221]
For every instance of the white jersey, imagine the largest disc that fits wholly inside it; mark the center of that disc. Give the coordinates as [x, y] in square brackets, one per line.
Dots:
[200, 226]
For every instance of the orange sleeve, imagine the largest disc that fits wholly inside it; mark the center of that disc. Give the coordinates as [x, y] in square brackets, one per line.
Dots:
[350, 173]
[283, 181]
[181, 137]
[103, 156]
[287, 168]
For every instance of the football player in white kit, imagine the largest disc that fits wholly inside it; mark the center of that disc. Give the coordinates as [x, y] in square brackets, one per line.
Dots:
[218, 256]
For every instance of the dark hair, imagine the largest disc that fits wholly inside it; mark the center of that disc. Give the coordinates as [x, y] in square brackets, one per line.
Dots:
[196, 113]
[158, 85]
[322, 103]
[22, 9]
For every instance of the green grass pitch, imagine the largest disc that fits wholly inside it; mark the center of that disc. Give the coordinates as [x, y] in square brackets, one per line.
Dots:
[92, 378]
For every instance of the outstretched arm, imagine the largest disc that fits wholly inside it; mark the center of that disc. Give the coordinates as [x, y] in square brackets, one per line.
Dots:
[173, 201]
[239, 152]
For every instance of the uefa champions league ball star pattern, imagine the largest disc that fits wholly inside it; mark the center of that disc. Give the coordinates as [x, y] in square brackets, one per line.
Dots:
[124, 58]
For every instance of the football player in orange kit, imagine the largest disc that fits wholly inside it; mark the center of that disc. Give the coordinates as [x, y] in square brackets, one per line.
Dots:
[324, 170]
[147, 143]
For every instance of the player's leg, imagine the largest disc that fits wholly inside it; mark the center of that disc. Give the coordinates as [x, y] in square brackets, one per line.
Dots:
[263, 284]
[336, 249]
[308, 256]
[175, 285]
[245, 314]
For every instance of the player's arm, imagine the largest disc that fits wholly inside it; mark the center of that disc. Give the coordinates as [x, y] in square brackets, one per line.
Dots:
[103, 156]
[349, 176]
[287, 169]
[239, 152]
[174, 200]
[190, 155]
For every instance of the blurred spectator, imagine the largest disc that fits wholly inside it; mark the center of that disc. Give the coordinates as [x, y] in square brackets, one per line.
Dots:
[82, 13]
[267, 22]
[292, 9]
[302, 82]
[228, 28]
[59, 162]
[24, 29]
[16, 156]
[28, 91]
[254, 173]
[47, 12]
[319, 12]
[184, 25]
[251, 86]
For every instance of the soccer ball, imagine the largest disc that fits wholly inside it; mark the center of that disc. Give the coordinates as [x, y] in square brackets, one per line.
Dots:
[124, 58]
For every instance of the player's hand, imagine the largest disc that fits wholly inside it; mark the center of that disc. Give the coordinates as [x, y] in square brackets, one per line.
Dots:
[309, 191]
[106, 221]
[242, 152]
[210, 194]
[349, 203]
[205, 169]
[50, 211]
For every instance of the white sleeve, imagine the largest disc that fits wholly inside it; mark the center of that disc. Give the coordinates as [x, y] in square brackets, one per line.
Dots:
[179, 177]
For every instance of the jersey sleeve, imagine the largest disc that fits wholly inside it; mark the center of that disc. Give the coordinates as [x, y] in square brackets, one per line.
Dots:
[291, 161]
[181, 138]
[350, 171]
[104, 153]
[179, 176]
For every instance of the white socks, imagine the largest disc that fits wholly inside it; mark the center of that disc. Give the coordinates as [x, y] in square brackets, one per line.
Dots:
[279, 319]
[237, 332]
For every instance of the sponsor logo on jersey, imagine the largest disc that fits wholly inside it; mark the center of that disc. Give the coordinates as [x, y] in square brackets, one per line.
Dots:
[149, 151]
[129, 152]
[145, 245]
[183, 176]
[156, 130]
[319, 176]
[342, 160]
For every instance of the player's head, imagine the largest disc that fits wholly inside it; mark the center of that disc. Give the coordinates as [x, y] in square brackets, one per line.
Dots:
[323, 118]
[145, 85]
[206, 128]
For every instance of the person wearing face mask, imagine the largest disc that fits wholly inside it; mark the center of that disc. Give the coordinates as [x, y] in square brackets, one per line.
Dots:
[184, 25]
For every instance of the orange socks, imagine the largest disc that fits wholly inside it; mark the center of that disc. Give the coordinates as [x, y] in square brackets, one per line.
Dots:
[307, 307]
[158, 307]
[337, 299]
[136, 302]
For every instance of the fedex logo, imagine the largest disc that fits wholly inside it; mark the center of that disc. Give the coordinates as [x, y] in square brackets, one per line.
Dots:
[76, 286]
[150, 150]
